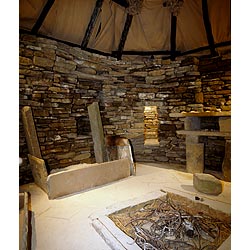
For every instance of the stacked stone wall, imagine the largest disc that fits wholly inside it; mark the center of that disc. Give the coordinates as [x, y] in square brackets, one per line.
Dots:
[59, 82]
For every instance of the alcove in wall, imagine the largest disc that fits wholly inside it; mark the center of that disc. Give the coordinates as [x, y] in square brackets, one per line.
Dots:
[151, 125]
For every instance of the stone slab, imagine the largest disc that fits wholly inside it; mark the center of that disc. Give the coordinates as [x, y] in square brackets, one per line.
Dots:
[225, 124]
[23, 221]
[39, 172]
[71, 181]
[206, 183]
[226, 165]
[195, 157]
[126, 152]
[208, 113]
[97, 132]
[30, 132]
[204, 133]
[191, 138]
[192, 123]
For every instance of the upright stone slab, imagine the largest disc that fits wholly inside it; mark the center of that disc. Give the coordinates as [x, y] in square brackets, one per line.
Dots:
[194, 149]
[30, 132]
[226, 165]
[192, 123]
[195, 157]
[126, 152]
[24, 242]
[97, 133]
[225, 124]
[39, 172]
[88, 176]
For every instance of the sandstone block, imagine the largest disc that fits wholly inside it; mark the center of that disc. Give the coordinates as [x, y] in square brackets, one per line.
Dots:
[226, 165]
[39, 171]
[82, 157]
[195, 157]
[192, 123]
[206, 183]
[43, 62]
[156, 72]
[23, 220]
[86, 176]
[30, 132]
[146, 95]
[25, 60]
[225, 124]
[199, 97]
[97, 132]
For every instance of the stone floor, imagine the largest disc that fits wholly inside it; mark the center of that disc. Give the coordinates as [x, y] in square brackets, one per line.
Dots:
[65, 223]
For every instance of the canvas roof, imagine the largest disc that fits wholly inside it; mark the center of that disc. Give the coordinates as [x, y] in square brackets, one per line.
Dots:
[106, 26]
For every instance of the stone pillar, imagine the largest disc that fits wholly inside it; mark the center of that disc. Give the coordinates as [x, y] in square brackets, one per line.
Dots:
[194, 149]
[126, 152]
[195, 157]
[225, 126]
[30, 132]
[97, 133]
[226, 165]
[192, 123]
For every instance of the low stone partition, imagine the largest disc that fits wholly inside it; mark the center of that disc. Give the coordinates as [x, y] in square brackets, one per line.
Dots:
[75, 178]
[23, 221]
[85, 176]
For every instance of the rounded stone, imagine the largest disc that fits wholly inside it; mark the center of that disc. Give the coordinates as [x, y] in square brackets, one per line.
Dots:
[207, 183]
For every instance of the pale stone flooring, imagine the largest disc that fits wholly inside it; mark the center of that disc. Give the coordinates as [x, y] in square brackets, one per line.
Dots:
[64, 223]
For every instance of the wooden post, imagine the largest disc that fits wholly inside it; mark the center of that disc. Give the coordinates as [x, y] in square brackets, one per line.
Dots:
[42, 16]
[124, 35]
[208, 28]
[173, 37]
[91, 24]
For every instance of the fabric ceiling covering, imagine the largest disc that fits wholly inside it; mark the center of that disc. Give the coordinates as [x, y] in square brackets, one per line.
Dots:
[150, 30]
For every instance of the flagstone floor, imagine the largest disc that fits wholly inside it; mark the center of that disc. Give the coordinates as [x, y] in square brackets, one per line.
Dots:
[65, 223]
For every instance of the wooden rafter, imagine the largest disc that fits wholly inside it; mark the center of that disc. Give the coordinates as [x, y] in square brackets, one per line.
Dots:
[124, 35]
[143, 53]
[122, 3]
[197, 50]
[42, 16]
[208, 28]
[92, 23]
[173, 37]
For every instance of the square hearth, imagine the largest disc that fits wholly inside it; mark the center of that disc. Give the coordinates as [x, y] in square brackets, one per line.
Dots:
[163, 221]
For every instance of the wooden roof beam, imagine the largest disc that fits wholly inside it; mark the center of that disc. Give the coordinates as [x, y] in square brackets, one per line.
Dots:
[122, 3]
[124, 36]
[208, 28]
[92, 23]
[173, 37]
[42, 16]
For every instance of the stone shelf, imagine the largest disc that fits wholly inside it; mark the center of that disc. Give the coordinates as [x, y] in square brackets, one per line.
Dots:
[200, 114]
[208, 114]
[195, 150]
[203, 133]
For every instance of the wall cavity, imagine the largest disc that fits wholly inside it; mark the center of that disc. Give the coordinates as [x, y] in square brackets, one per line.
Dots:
[151, 125]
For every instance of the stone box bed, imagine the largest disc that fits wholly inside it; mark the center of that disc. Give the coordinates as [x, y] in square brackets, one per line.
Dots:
[75, 178]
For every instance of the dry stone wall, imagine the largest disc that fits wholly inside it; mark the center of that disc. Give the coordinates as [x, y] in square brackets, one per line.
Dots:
[59, 82]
